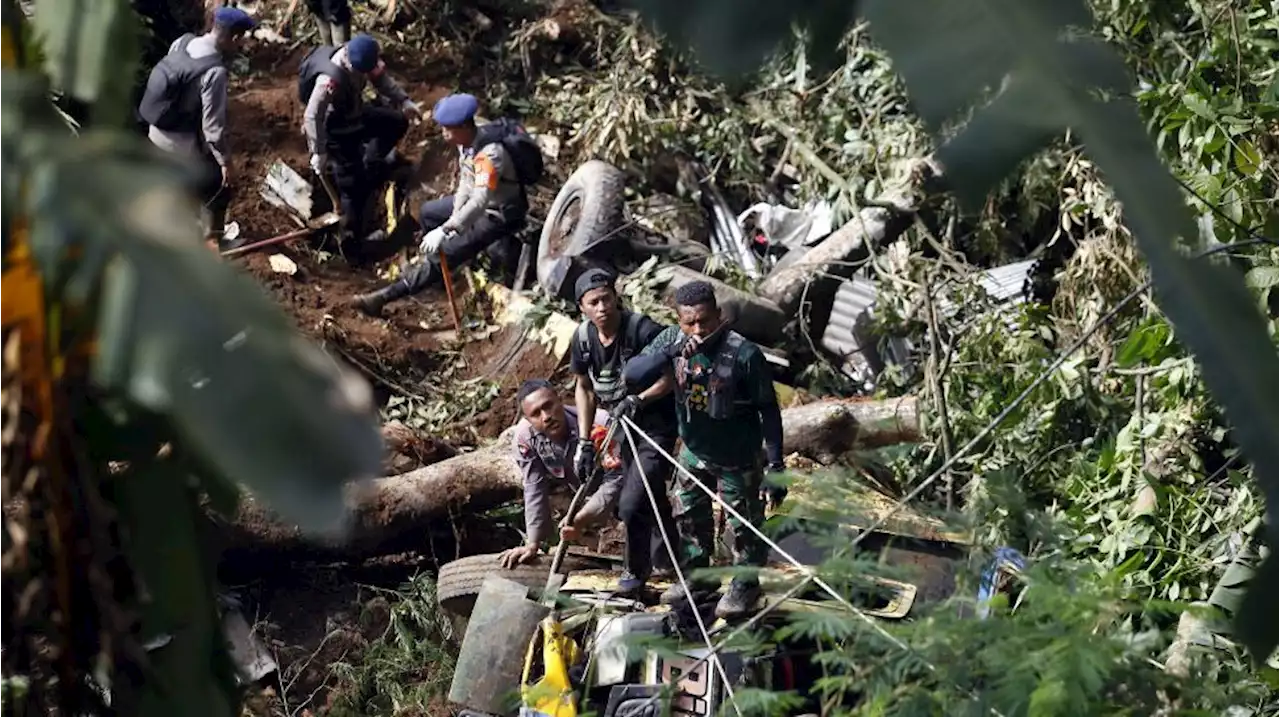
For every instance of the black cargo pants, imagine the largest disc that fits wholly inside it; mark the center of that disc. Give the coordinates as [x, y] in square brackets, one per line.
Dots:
[645, 549]
[358, 158]
[215, 197]
[489, 235]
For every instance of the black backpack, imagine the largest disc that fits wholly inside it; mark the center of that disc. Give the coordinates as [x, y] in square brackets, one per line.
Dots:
[525, 153]
[171, 101]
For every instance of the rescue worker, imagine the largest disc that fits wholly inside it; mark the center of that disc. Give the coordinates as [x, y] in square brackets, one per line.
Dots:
[726, 406]
[333, 19]
[608, 336]
[486, 211]
[185, 106]
[356, 140]
[543, 445]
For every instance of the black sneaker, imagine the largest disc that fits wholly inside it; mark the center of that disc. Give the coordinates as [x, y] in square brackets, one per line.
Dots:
[740, 600]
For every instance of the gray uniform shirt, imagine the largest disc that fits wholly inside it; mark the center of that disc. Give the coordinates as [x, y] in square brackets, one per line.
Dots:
[540, 477]
[486, 182]
[213, 104]
[320, 104]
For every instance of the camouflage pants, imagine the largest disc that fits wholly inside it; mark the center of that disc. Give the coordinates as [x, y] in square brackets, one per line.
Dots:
[740, 488]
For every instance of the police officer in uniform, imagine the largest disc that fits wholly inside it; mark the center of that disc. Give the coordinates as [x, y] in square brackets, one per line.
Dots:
[344, 133]
[185, 106]
[485, 213]
[607, 338]
[726, 406]
[543, 444]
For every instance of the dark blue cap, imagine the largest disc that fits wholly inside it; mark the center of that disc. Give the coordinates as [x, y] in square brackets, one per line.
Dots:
[233, 18]
[455, 110]
[362, 50]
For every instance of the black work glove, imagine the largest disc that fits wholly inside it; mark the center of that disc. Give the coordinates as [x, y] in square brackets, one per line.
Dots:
[585, 459]
[627, 407]
[773, 493]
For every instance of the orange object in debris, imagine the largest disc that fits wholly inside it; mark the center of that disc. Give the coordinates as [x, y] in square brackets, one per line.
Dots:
[610, 459]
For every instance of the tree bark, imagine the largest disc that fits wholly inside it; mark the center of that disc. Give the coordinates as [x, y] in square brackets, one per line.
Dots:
[390, 514]
[814, 278]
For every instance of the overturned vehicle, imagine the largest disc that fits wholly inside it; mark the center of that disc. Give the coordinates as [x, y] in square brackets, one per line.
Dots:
[532, 649]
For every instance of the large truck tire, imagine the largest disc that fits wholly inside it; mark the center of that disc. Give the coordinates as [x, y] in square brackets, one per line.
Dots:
[459, 582]
[588, 208]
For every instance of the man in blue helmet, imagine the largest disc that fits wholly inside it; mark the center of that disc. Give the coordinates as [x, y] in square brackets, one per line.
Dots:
[487, 211]
[185, 106]
[355, 139]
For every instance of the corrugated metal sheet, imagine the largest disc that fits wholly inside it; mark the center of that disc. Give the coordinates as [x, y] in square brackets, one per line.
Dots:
[862, 357]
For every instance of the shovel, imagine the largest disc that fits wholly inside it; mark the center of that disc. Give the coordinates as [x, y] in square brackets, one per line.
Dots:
[327, 219]
[448, 290]
[554, 580]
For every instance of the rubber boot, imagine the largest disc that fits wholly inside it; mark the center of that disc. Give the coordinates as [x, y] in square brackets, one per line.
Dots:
[371, 304]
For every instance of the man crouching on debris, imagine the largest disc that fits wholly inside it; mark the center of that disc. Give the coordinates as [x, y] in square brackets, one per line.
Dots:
[185, 104]
[487, 210]
[356, 139]
[606, 339]
[726, 405]
[544, 447]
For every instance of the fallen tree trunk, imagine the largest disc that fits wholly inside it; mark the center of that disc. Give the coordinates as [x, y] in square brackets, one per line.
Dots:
[388, 512]
[814, 277]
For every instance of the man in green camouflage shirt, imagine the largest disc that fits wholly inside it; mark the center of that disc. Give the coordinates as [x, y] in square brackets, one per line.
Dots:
[726, 406]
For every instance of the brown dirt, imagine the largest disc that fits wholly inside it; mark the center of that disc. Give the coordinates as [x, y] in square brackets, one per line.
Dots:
[300, 605]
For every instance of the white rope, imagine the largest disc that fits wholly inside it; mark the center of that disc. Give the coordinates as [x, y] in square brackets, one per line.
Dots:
[675, 564]
[809, 573]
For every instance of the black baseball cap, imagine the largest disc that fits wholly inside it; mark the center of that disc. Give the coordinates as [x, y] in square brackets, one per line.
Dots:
[591, 279]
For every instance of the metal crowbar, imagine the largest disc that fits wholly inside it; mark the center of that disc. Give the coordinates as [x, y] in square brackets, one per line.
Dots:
[327, 219]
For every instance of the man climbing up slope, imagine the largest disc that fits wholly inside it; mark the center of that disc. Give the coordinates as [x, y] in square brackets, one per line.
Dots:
[726, 406]
[185, 104]
[344, 133]
[607, 338]
[487, 210]
[543, 447]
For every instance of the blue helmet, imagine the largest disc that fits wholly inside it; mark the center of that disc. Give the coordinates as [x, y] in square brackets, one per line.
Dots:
[362, 51]
[455, 110]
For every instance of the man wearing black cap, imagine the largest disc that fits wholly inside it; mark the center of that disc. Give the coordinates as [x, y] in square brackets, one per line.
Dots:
[185, 104]
[606, 339]
[726, 407]
[358, 140]
[487, 209]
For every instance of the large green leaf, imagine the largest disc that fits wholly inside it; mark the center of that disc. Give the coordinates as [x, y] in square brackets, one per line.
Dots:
[90, 48]
[732, 36]
[1029, 71]
[1062, 80]
[183, 334]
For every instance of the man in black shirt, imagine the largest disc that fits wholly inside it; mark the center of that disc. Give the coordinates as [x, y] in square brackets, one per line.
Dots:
[606, 339]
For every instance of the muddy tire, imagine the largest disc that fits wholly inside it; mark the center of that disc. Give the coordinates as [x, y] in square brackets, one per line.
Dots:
[459, 582]
[588, 207]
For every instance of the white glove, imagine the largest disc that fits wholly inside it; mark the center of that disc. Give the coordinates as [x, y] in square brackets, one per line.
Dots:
[411, 109]
[318, 162]
[432, 240]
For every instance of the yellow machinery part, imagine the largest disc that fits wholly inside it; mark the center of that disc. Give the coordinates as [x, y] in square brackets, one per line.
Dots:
[552, 695]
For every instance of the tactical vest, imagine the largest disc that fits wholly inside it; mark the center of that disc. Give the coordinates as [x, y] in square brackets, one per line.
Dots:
[608, 384]
[345, 99]
[721, 383]
[171, 101]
